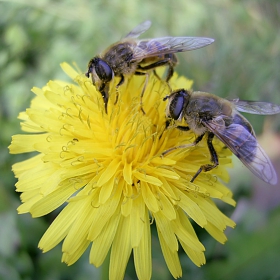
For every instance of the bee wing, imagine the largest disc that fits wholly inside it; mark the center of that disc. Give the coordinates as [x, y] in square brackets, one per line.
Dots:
[167, 45]
[139, 29]
[255, 107]
[245, 146]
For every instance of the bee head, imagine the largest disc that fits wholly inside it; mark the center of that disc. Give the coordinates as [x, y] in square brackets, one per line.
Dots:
[178, 100]
[101, 72]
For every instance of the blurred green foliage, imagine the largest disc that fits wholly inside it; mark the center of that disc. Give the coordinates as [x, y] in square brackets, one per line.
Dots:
[244, 62]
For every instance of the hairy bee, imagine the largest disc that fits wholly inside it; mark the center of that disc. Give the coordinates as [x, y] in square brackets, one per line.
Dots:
[209, 115]
[130, 56]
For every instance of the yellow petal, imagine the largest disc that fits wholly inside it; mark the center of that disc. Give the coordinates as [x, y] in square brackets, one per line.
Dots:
[104, 213]
[171, 258]
[121, 250]
[216, 233]
[142, 253]
[101, 245]
[76, 241]
[106, 190]
[192, 209]
[198, 258]
[51, 201]
[186, 237]
[26, 143]
[126, 206]
[69, 70]
[59, 228]
[167, 231]
[137, 221]
[109, 172]
[167, 208]
[147, 178]
[149, 197]
[127, 173]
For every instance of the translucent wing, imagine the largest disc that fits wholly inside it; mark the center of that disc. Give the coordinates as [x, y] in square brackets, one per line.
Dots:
[139, 29]
[255, 107]
[167, 45]
[245, 146]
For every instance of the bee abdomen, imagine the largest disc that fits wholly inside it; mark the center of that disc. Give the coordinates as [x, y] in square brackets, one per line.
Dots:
[239, 119]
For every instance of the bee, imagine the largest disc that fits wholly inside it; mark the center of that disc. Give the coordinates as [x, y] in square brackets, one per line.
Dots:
[209, 115]
[131, 56]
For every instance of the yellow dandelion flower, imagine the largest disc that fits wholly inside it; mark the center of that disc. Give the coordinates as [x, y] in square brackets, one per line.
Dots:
[107, 172]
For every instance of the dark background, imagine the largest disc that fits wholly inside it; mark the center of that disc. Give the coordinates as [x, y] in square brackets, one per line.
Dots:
[244, 62]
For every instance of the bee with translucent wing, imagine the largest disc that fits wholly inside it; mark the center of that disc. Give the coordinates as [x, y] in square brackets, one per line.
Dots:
[209, 115]
[131, 56]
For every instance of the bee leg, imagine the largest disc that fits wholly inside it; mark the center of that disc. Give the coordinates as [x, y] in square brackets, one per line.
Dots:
[169, 59]
[168, 77]
[153, 65]
[121, 81]
[183, 128]
[186, 128]
[143, 91]
[105, 98]
[169, 73]
[104, 92]
[156, 74]
[167, 123]
[214, 158]
[172, 62]
[117, 93]
[196, 141]
[144, 88]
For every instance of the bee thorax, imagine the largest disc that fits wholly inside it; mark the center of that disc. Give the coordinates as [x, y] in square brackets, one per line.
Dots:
[195, 125]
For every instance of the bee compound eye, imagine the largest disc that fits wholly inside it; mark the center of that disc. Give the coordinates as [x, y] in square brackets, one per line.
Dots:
[103, 70]
[176, 106]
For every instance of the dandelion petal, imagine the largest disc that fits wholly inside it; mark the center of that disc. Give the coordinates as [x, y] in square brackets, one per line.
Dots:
[142, 252]
[121, 250]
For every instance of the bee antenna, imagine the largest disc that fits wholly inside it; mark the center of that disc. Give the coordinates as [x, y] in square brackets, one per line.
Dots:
[166, 97]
